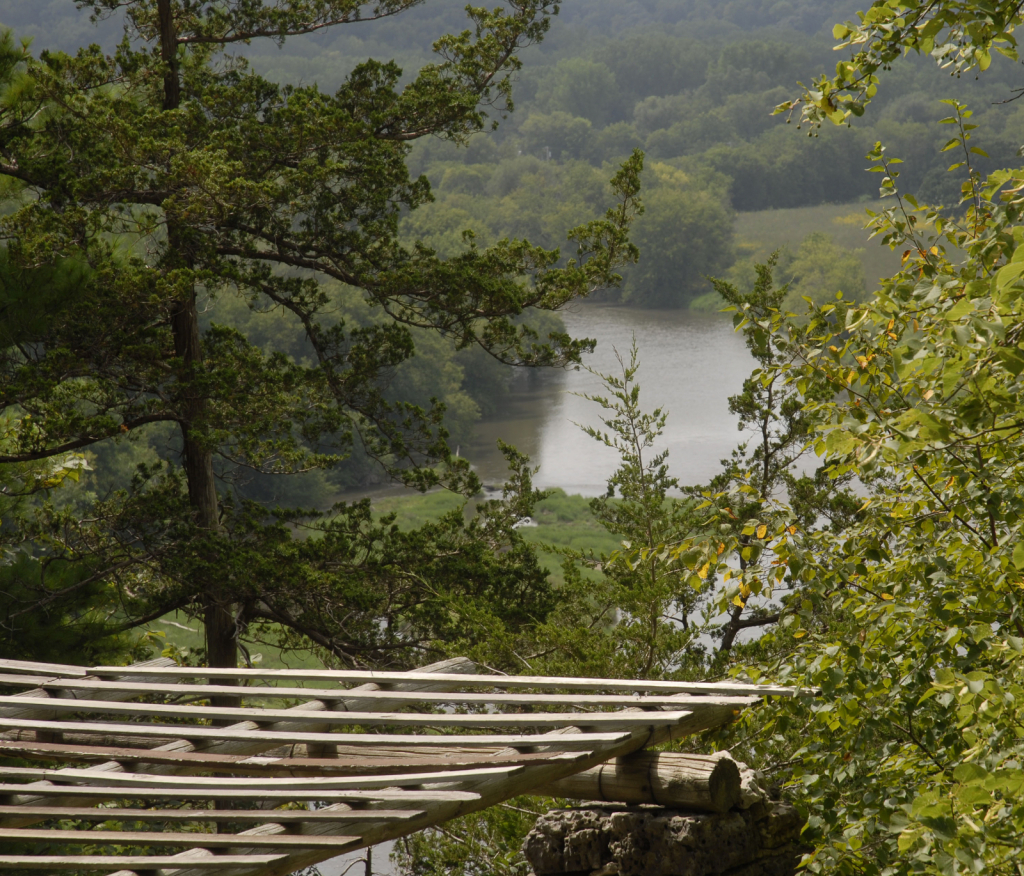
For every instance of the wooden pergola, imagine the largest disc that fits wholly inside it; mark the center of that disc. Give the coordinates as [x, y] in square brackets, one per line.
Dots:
[136, 758]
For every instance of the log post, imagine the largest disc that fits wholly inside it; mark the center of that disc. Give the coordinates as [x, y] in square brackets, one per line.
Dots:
[681, 781]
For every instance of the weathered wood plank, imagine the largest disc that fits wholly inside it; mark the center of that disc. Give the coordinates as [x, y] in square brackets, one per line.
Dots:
[268, 738]
[242, 786]
[263, 692]
[181, 840]
[135, 862]
[272, 766]
[258, 816]
[29, 667]
[366, 719]
[412, 798]
[501, 681]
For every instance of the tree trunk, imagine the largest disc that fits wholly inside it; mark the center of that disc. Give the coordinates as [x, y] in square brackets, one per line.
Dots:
[169, 54]
[218, 611]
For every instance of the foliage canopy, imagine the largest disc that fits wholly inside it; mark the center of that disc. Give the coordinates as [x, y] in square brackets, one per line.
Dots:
[167, 175]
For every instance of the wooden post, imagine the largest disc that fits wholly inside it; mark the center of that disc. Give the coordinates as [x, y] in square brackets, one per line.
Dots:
[686, 781]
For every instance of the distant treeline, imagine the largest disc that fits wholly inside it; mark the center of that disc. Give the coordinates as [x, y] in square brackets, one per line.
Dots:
[692, 82]
[701, 108]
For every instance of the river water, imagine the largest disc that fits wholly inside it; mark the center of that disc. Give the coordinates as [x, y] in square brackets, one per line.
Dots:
[690, 363]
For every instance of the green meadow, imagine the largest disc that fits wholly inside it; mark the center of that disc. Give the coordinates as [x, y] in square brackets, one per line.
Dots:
[759, 233]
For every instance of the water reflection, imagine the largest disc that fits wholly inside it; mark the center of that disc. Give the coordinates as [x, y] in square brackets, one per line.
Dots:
[690, 364]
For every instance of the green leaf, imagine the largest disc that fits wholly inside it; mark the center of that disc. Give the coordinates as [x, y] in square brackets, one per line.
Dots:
[967, 773]
[1018, 555]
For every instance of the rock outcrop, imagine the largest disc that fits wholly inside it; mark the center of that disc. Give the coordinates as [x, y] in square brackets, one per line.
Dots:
[610, 840]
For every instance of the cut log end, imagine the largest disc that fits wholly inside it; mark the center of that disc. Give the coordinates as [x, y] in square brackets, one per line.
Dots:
[671, 779]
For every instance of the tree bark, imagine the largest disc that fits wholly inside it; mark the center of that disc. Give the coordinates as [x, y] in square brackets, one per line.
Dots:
[218, 610]
[169, 54]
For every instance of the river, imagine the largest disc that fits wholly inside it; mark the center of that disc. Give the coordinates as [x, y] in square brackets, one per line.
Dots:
[690, 363]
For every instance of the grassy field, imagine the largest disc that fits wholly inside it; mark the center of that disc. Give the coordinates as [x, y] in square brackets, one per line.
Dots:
[562, 522]
[758, 234]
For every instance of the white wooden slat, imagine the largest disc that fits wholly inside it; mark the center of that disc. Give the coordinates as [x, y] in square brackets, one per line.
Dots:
[26, 700]
[339, 762]
[502, 681]
[329, 694]
[241, 785]
[58, 670]
[412, 798]
[135, 862]
[187, 840]
[269, 738]
[257, 816]
[333, 843]
[368, 719]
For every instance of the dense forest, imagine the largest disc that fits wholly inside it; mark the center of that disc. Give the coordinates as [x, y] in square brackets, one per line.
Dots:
[693, 84]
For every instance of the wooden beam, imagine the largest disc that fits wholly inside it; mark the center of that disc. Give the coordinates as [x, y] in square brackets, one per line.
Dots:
[263, 692]
[258, 816]
[332, 844]
[365, 719]
[412, 798]
[59, 670]
[273, 766]
[242, 786]
[22, 704]
[686, 781]
[143, 863]
[264, 739]
[500, 681]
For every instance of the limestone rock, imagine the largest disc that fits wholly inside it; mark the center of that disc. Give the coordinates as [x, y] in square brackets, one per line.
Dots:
[762, 840]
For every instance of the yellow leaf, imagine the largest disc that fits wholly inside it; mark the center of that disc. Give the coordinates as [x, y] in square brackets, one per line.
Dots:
[792, 530]
[744, 591]
[762, 531]
[721, 547]
[887, 597]
[928, 394]
[799, 634]
[737, 601]
[704, 570]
